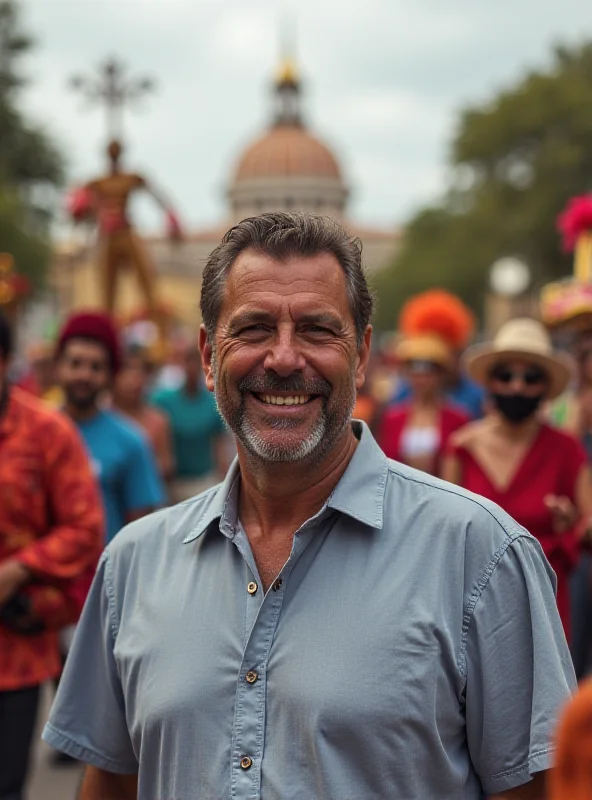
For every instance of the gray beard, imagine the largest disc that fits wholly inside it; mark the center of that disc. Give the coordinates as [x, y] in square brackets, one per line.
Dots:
[319, 441]
[258, 446]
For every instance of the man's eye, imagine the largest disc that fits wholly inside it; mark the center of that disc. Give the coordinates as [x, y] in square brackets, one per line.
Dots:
[317, 329]
[258, 328]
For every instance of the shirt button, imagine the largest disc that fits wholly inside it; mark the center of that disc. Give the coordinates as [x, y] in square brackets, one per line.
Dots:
[251, 676]
[246, 762]
[252, 587]
[277, 584]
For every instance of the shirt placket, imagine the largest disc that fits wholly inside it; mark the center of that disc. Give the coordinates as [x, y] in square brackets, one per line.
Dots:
[262, 621]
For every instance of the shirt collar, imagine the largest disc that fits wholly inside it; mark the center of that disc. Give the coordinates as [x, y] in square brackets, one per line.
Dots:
[359, 493]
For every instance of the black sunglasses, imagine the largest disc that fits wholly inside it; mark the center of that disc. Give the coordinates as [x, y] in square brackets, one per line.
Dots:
[531, 376]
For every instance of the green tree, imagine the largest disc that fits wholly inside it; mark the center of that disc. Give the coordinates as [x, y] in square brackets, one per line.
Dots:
[516, 161]
[31, 166]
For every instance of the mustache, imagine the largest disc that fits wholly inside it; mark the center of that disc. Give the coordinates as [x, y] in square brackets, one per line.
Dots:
[275, 383]
[79, 385]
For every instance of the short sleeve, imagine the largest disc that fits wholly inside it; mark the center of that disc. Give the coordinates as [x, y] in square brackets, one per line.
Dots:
[518, 669]
[88, 719]
[141, 483]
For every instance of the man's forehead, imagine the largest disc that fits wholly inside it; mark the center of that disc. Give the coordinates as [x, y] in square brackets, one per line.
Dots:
[255, 267]
[85, 347]
[296, 307]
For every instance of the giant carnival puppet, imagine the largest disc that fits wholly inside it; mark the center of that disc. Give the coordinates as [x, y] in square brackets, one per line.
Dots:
[105, 201]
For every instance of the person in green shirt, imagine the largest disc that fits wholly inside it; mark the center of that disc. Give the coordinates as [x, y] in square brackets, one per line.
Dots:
[199, 437]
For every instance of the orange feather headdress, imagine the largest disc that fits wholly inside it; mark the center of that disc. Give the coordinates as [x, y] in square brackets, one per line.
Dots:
[438, 313]
[433, 325]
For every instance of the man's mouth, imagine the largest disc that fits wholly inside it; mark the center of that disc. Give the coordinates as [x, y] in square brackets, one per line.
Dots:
[283, 400]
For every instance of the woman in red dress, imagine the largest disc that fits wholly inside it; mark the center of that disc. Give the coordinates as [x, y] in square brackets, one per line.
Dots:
[537, 474]
[417, 431]
[433, 325]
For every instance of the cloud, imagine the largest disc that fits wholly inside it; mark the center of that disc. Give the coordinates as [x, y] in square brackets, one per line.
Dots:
[384, 80]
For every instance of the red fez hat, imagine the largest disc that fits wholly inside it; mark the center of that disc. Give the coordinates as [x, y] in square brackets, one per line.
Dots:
[97, 326]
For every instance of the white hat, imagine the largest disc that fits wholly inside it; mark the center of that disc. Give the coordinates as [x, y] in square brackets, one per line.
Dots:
[524, 339]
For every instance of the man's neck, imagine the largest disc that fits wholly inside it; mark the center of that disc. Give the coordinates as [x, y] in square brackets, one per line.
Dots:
[81, 414]
[282, 496]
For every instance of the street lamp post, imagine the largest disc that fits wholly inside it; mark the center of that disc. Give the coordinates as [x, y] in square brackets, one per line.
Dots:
[509, 278]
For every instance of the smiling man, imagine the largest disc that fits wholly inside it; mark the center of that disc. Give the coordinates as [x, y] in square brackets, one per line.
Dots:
[326, 624]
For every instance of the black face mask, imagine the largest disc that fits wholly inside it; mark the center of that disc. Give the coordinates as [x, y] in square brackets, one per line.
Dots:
[516, 408]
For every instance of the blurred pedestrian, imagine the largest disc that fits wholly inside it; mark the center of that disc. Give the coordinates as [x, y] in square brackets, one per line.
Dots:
[88, 358]
[201, 447]
[572, 777]
[51, 533]
[443, 313]
[416, 431]
[538, 474]
[130, 396]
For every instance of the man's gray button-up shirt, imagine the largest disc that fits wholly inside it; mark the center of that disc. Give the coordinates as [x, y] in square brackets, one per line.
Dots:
[410, 648]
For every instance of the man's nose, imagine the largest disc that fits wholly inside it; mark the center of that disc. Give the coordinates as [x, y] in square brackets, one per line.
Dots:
[84, 372]
[285, 355]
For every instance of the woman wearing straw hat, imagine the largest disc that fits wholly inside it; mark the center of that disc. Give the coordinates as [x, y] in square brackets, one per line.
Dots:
[538, 474]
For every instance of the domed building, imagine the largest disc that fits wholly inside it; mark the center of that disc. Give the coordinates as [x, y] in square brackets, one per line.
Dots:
[286, 168]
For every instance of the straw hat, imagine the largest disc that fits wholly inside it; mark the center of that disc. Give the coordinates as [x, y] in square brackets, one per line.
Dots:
[524, 339]
[425, 348]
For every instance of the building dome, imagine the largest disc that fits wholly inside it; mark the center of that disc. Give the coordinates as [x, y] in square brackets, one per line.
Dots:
[287, 168]
[287, 150]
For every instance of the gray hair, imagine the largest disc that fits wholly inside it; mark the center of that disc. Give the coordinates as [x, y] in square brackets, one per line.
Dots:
[281, 234]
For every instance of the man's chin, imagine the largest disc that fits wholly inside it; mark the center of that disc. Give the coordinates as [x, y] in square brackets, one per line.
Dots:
[81, 403]
[286, 444]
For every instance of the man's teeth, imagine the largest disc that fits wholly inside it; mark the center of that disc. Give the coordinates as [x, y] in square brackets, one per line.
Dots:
[275, 400]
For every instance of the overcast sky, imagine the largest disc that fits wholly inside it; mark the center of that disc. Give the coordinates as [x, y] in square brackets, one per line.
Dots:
[384, 81]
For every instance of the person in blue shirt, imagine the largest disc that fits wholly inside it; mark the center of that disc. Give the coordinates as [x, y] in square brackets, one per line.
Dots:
[88, 357]
[200, 442]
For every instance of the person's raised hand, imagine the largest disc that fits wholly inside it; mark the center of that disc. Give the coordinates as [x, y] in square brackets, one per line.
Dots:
[564, 513]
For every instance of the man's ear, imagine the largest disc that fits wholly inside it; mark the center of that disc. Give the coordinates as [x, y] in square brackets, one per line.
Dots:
[363, 357]
[205, 348]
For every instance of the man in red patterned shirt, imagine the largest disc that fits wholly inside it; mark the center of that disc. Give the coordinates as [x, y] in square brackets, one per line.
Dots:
[51, 534]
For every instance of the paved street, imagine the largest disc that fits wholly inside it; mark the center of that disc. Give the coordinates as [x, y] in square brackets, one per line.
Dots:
[49, 782]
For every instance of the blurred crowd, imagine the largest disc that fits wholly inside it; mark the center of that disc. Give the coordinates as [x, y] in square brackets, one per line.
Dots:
[95, 434]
